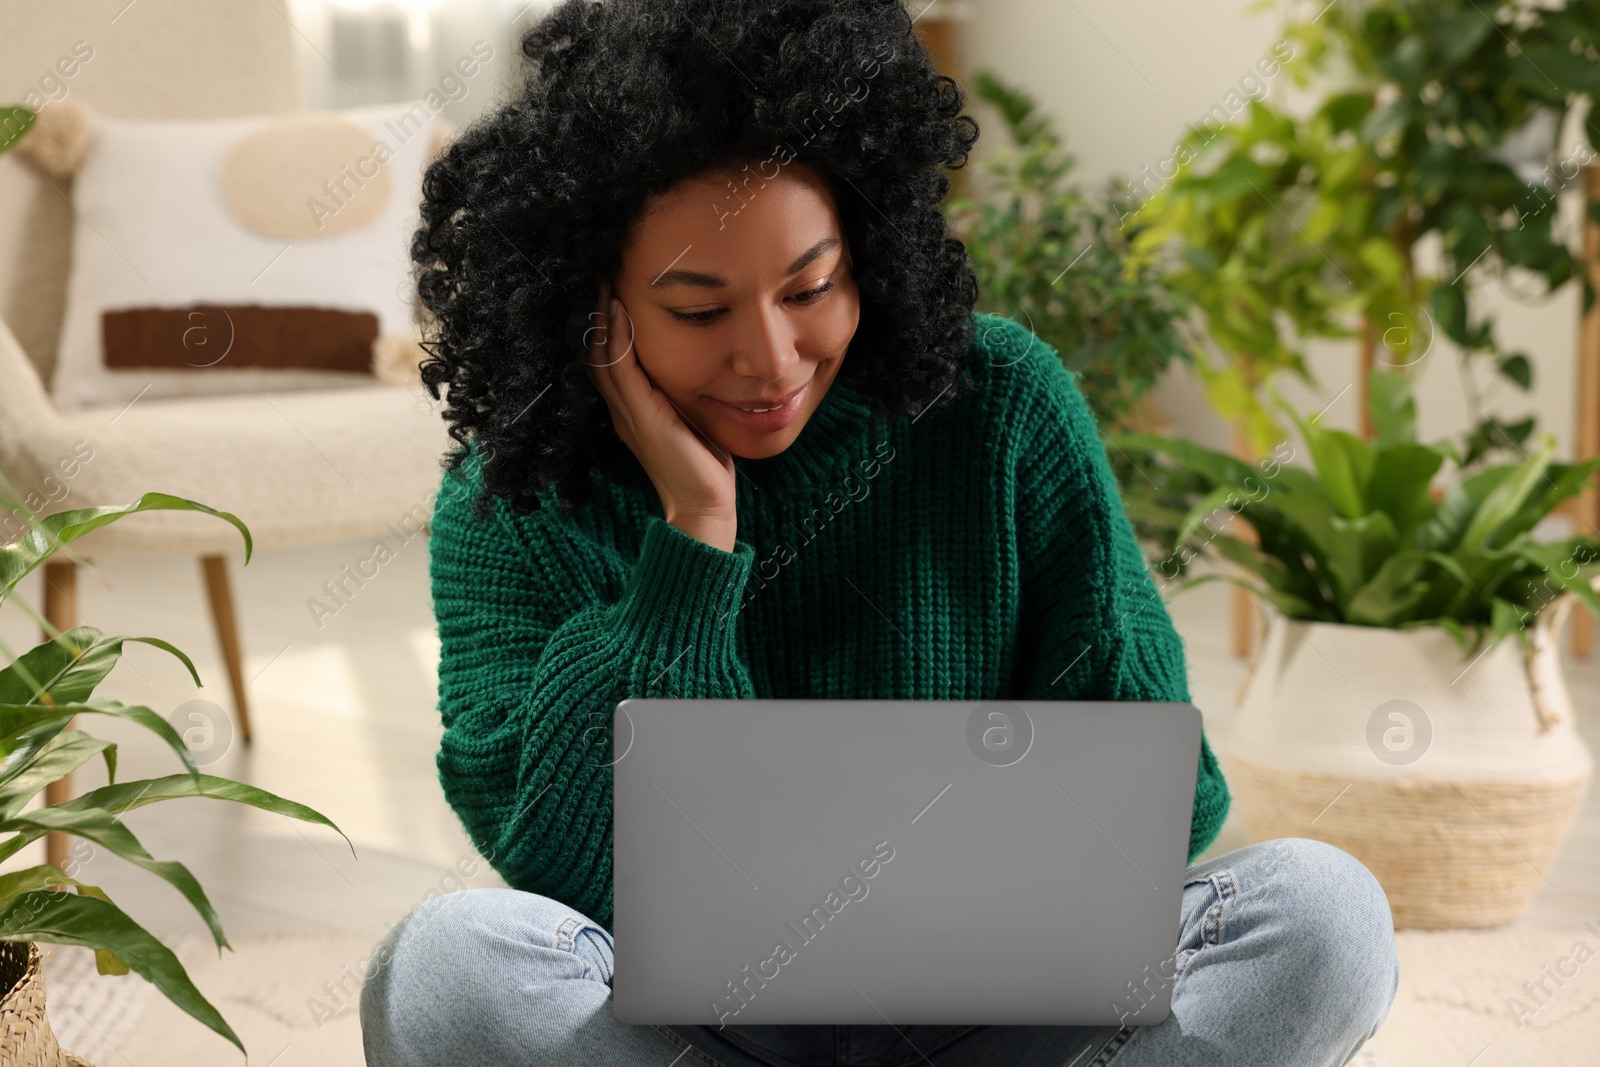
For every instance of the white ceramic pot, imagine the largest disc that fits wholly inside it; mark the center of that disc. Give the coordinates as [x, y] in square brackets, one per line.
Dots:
[1453, 781]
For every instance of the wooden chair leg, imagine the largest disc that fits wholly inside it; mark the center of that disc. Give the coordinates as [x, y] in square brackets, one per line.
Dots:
[1244, 622]
[215, 569]
[61, 609]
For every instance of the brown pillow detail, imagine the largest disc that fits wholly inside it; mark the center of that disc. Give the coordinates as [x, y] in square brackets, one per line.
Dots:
[213, 335]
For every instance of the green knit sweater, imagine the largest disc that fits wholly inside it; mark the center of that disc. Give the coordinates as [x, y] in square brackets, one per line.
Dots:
[970, 553]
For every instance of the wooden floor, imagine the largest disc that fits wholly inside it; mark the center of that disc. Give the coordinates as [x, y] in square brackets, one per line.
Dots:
[344, 721]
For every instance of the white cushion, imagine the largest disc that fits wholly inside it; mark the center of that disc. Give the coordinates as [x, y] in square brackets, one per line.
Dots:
[230, 213]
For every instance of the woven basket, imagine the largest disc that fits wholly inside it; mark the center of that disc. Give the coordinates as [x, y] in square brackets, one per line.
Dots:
[1454, 782]
[25, 1036]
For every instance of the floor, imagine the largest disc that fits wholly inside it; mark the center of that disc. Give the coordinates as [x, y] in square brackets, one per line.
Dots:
[345, 722]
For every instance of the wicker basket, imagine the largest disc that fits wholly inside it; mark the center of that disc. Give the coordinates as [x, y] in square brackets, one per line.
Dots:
[25, 1036]
[1455, 783]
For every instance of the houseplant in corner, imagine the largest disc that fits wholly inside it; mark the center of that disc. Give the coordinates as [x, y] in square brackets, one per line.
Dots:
[1058, 258]
[1385, 712]
[41, 692]
[1376, 210]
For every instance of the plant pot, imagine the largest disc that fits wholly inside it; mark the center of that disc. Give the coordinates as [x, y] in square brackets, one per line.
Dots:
[1453, 781]
[25, 1036]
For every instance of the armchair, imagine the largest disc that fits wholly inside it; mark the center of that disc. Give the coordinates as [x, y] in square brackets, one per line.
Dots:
[298, 467]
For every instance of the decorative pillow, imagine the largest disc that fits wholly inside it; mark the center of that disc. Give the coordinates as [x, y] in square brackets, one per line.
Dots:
[222, 256]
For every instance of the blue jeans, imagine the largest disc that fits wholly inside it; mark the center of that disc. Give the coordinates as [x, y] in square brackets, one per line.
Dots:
[1285, 956]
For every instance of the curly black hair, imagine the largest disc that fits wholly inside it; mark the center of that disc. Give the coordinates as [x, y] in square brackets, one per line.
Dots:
[527, 210]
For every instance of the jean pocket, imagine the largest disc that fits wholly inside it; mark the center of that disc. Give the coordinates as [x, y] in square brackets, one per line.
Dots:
[589, 942]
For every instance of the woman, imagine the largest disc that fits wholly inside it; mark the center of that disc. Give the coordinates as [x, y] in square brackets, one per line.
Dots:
[731, 429]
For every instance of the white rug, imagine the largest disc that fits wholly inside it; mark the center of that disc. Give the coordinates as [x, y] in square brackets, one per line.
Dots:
[1494, 1000]
[292, 1000]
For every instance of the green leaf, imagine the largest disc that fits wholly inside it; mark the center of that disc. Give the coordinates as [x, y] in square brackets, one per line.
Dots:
[1401, 477]
[66, 669]
[1462, 501]
[1344, 111]
[1219, 467]
[54, 760]
[1344, 464]
[14, 123]
[1505, 618]
[67, 919]
[1457, 34]
[1208, 506]
[1268, 568]
[43, 876]
[1518, 369]
[1562, 480]
[24, 723]
[1456, 631]
[1393, 411]
[1392, 592]
[1282, 601]
[1506, 499]
[1449, 307]
[50, 532]
[1399, 588]
[103, 828]
[1362, 545]
[105, 961]
[1555, 558]
[129, 795]
[1311, 531]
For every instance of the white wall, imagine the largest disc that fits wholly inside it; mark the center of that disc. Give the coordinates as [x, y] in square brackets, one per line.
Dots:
[1122, 78]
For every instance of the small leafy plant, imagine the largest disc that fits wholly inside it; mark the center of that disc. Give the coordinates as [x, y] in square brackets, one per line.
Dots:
[1057, 259]
[40, 693]
[1363, 540]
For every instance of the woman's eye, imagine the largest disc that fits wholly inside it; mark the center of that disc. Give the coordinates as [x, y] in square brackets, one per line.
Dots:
[812, 294]
[695, 318]
[704, 318]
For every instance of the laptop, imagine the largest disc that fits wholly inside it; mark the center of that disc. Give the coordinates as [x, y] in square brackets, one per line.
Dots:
[899, 861]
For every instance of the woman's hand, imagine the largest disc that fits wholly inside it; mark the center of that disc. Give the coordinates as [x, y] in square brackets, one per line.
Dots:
[694, 478]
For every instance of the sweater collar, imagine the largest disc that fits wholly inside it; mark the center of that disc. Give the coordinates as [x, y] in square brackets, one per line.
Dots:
[831, 441]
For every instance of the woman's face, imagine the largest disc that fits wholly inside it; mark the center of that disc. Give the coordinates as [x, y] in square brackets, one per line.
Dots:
[740, 300]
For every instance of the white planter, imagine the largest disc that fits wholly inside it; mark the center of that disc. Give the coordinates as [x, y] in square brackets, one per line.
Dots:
[1454, 783]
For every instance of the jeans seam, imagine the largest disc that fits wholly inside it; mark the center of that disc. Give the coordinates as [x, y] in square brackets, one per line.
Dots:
[1110, 1049]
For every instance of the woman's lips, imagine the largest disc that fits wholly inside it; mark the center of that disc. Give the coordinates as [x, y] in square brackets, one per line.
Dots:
[766, 421]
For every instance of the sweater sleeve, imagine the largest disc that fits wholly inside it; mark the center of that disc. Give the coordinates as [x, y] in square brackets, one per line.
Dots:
[1094, 624]
[543, 629]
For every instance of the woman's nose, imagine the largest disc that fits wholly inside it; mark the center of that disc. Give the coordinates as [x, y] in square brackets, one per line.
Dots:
[765, 349]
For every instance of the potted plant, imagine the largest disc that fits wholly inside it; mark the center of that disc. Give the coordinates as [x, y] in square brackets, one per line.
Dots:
[1283, 228]
[41, 692]
[1058, 259]
[1052, 256]
[1385, 712]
